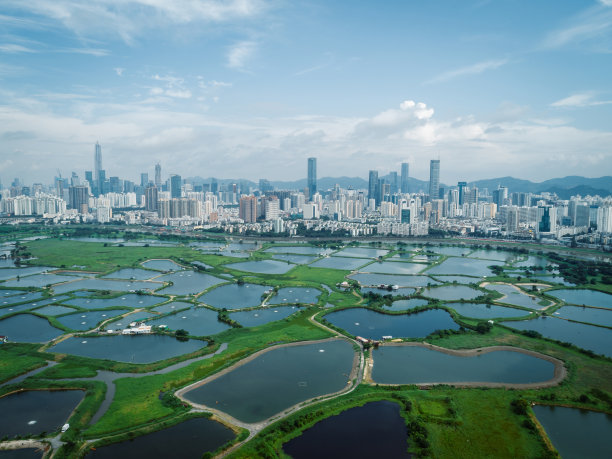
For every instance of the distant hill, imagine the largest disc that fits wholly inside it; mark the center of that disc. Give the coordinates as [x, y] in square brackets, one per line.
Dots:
[564, 187]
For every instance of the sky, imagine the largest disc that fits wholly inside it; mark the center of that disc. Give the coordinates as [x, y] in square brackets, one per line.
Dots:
[252, 88]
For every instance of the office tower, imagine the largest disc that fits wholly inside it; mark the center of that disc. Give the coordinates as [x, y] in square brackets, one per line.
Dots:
[512, 219]
[265, 186]
[89, 178]
[158, 181]
[393, 182]
[434, 178]
[248, 209]
[151, 198]
[547, 219]
[312, 177]
[98, 165]
[175, 186]
[74, 179]
[79, 198]
[461, 186]
[405, 188]
[373, 185]
[144, 179]
[214, 186]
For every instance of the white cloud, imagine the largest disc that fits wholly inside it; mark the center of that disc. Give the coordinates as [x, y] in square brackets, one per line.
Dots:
[474, 69]
[592, 28]
[119, 71]
[240, 53]
[179, 94]
[586, 99]
[13, 48]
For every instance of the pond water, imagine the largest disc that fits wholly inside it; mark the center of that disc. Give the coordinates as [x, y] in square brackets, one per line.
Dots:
[459, 279]
[374, 325]
[278, 379]
[37, 411]
[9, 273]
[96, 239]
[466, 266]
[498, 255]
[387, 279]
[303, 295]
[130, 300]
[54, 310]
[162, 265]
[361, 252]
[596, 339]
[403, 305]
[234, 296]
[576, 433]
[515, 296]
[262, 266]
[583, 296]
[486, 311]
[551, 279]
[104, 284]
[31, 296]
[88, 320]
[452, 292]
[172, 307]
[533, 261]
[132, 349]
[197, 321]
[188, 282]
[297, 259]
[403, 256]
[348, 264]
[7, 263]
[5, 293]
[375, 429]
[24, 453]
[586, 314]
[258, 317]
[394, 267]
[39, 280]
[416, 364]
[425, 258]
[402, 291]
[451, 251]
[27, 328]
[27, 306]
[192, 438]
[302, 250]
[132, 273]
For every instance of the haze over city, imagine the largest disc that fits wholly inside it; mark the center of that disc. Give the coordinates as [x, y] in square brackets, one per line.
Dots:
[250, 89]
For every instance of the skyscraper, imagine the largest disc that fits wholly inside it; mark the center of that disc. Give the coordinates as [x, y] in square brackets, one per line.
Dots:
[434, 179]
[158, 176]
[144, 179]
[404, 184]
[97, 162]
[373, 185]
[312, 177]
[175, 186]
[393, 182]
[462, 186]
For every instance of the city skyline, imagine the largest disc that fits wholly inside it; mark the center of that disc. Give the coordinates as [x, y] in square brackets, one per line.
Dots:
[203, 86]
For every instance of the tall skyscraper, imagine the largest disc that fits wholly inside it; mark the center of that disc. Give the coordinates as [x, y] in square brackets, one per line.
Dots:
[373, 185]
[144, 179]
[393, 188]
[97, 162]
[462, 186]
[312, 177]
[175, 186]
[434, 179]
[405, 188]
[158, 182]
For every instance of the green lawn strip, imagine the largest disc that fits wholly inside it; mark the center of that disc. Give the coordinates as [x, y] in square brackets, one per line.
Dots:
[137, 400]
[19, 358]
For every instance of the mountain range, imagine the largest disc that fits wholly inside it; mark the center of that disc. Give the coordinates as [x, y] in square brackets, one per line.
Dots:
[564, 187]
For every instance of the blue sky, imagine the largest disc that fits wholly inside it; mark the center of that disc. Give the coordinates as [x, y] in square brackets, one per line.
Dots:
[251, 88]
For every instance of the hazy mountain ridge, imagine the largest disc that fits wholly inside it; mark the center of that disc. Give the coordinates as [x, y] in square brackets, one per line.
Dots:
[564, 187]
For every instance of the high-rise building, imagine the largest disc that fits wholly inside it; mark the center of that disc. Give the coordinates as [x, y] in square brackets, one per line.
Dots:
[158, 182]
[461, 186]
[434, 179]
[144, 179]
[393, 186]
[79, 198]
[98, 165]
[151, 198]
[248, 209]
[405, 188]
[312, 177]
[175, 186]
[373, 185]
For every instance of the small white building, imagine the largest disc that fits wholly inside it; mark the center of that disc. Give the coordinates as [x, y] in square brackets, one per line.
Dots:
[139, 328]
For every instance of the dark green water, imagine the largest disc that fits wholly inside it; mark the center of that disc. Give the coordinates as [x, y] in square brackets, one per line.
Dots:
[415, 364]
[577, 434]
[374, 430]
[189, 439]
[278, 379]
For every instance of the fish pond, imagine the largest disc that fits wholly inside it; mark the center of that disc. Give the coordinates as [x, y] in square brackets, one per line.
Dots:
[343, 263]
[278, 379]
[386, 279]
[515, 296]
[596, 339]
[197, 321]
[88, 320]
[375, 429]
[302, 250]
[105, 284]
[361, 252]
[28, 328]
[301, 295]
[132, 273]
[583, 296]
[402, 291]
[129, 300]
[486, 311]
[394, 267]
[465, 266]
[192, 438]
[256, 317]
[23, 453]
[416, 365]
[452, 292]
[39, 280]
[262, 266]
[37, 411]
[575, 433]
[188, 282]
[235, 296]
[403, 305]
[294, 258]
[586, 314]
[132, 349]
[162, 265]
[374, 325]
